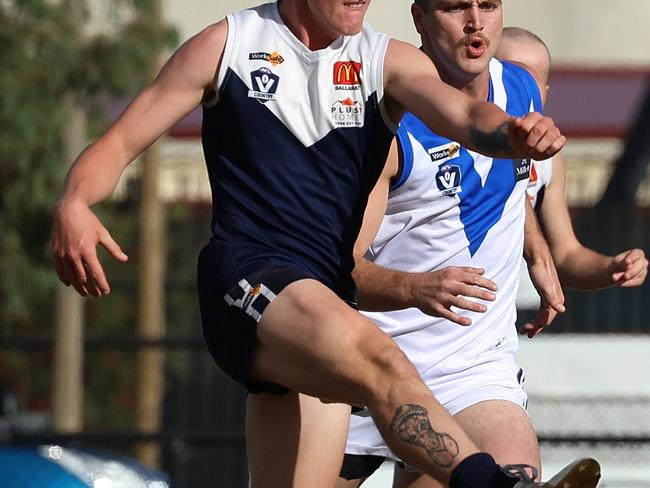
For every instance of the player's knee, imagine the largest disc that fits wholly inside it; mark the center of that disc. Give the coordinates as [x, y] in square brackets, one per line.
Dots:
[388, 367]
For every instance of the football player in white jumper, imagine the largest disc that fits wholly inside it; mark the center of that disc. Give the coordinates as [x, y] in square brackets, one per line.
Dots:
[451, 227]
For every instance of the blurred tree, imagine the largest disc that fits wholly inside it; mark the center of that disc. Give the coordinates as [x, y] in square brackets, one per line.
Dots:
[43, 57]
[46, 57]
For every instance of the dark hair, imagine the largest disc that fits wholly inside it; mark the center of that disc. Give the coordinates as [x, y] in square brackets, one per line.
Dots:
[424, 4]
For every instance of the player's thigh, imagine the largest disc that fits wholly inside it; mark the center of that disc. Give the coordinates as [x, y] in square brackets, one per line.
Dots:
[294, 440]
[309, 340]
[499, 427]
[406, 478]
[342, 483]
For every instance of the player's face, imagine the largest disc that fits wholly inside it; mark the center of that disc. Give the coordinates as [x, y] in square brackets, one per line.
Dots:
[339, 17]
[460, 35]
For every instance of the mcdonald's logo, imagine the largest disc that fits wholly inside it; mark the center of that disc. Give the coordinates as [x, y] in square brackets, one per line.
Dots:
[347, 73]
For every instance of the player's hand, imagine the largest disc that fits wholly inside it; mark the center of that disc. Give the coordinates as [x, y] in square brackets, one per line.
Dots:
[547, 283]
[75, 235]
[629, 268]
[535, 135]
[435, 292]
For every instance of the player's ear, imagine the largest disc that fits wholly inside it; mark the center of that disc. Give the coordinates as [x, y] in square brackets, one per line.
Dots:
[417, 13]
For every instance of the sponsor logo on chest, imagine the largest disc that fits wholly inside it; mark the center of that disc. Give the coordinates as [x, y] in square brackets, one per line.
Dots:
[274, 58]
[521, 168]
[449, 175]
[347, 113]
[444, 153]
[347, 75]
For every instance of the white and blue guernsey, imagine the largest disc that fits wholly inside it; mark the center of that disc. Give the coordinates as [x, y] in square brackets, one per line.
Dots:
[450, 206]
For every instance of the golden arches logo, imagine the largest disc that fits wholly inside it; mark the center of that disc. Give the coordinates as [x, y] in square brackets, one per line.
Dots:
[347, 73]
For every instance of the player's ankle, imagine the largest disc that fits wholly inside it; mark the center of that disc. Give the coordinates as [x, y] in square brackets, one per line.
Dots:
[480, 470]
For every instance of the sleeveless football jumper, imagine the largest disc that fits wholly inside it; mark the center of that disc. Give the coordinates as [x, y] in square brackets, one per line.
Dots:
[294, 141]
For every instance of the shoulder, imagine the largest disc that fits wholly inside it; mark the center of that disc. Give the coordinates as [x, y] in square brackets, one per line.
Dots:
[404, 59]
[196, 61]
[528, 78]
[530, 70]
[524, 71]
[213, 33]
[210, 39]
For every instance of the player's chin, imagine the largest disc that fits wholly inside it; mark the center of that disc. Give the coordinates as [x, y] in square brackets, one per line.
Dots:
[353, 26]
[353, 16]
[475, 66]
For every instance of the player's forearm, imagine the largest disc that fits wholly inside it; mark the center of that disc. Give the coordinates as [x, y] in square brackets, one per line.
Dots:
[584, 269]
[535, 245]
[381, 289]
[479, 126]
[488, 132]
[96, 172]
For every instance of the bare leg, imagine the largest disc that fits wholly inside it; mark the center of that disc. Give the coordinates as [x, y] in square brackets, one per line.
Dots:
[341, 483]
[312, 342]
[498, 427]
[286, 434]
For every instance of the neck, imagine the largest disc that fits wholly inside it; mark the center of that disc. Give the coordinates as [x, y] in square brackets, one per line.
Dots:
[477, 87]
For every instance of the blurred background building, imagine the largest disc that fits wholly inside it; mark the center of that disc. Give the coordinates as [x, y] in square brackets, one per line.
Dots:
[586, 376]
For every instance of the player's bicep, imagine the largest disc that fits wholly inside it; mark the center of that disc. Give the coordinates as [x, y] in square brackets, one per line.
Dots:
[377, 203]
[176, 91]
[412, 81]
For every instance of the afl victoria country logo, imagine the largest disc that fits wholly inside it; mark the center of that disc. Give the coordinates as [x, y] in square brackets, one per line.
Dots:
[448, 179]
[265, 84]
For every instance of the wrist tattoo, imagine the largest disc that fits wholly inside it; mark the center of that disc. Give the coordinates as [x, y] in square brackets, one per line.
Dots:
[411, 423]
[495, 142]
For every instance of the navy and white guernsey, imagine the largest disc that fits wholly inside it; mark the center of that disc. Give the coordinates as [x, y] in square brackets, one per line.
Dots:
[453, 207]
[294, 142]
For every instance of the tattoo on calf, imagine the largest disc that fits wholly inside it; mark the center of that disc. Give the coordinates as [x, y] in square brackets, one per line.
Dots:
[411, 423]
[493, 142]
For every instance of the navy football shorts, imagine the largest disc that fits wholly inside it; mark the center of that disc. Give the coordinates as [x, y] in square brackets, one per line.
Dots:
[360, 466]
[231, 307]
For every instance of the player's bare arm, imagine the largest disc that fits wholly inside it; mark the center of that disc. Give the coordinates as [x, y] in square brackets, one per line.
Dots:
[579, 266]
[543, 275]
[382, 289]
[412, 83]
[177, 90]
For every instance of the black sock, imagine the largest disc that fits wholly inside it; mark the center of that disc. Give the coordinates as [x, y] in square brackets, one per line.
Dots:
[480, 471]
